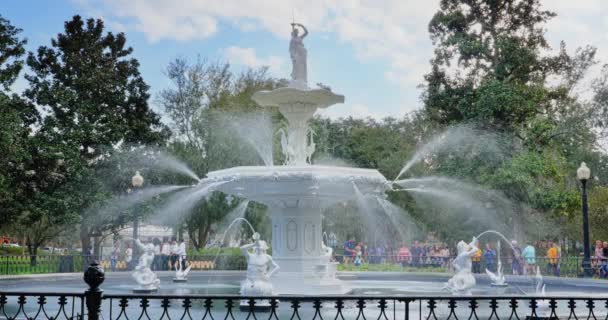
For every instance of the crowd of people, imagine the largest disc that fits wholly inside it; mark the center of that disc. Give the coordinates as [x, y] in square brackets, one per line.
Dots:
[516, 259]
[419, 254]
[166, 254]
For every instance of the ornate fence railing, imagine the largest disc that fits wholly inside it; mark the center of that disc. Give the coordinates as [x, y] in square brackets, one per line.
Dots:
[94, 304]
[114, 307]
[41, 305]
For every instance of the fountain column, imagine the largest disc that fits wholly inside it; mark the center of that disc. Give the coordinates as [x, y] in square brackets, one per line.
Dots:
[296, 238]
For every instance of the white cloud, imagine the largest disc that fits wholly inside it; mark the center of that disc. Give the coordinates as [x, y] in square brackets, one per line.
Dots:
[392, 34]
[389, 30]
[248, 57]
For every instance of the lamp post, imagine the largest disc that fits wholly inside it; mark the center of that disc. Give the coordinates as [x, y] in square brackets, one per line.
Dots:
[583, 173]
[137, 181]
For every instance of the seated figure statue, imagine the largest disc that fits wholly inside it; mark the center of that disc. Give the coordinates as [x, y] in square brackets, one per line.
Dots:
[463, 281]
[143, 275]
[260, 267]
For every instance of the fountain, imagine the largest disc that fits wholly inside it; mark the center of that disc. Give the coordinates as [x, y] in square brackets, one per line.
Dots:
[260, 267]
[144, 276]
[297, 192]
[463, 280]
[180, 274]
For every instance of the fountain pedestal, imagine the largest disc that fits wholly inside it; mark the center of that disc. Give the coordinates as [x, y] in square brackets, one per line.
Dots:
[297, 247]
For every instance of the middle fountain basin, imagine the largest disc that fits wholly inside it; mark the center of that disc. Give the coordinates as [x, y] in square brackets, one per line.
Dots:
[296, 196]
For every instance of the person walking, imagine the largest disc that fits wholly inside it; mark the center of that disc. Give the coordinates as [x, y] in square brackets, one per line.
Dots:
[114, 255]
[129, 257]
[182, 254]
[553, 260]
[516, 261]
[165, 253]
[489, 258]
[156, 263]
[529, 256]
[174, 253]
[476, 260]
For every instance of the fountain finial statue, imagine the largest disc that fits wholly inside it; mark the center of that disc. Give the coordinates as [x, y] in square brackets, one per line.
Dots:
[463, 280]
[298, 53]
[260, 267]
[143, 275]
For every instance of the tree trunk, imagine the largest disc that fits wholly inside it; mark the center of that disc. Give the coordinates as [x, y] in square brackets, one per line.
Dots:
[192, 233]
[97, 248]
[85, 238]
[32, 249]
[203, 233]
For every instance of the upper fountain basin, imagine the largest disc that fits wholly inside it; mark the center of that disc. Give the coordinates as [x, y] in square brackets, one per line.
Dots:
[288, 96]
[298, 186]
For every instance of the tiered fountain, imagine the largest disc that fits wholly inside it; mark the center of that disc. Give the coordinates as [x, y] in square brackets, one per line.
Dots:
[296, 192]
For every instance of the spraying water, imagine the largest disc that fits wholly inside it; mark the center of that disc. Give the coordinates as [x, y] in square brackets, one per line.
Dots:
[170, 162]
[118, 204]
[180, 204]
[256, 130]
[236, 215]
[455, 139]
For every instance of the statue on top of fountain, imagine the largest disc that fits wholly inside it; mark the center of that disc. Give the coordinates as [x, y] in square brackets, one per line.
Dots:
[260, 267]
[463, 281]
[298, 53]
[143, 274]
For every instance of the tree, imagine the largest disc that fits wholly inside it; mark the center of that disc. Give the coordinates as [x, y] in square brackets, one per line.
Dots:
[209, 105]
[11, 51]
[95, 98]
[499, 73]
[14, 119]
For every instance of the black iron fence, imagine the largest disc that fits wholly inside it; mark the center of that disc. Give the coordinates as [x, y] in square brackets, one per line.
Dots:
[93, 304]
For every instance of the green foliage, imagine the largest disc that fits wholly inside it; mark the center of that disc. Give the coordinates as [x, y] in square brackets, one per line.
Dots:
[207, 105]
[11, 50]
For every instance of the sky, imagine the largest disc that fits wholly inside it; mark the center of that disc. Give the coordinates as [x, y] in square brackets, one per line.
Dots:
[373, 52]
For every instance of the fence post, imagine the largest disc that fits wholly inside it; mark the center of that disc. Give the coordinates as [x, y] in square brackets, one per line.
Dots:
[94, 277]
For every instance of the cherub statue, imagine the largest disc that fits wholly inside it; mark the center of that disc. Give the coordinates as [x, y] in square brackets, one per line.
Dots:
[463, 280]
[260, 267]
[143, 275]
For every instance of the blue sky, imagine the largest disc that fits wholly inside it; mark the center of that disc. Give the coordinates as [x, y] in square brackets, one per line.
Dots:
[373, 52]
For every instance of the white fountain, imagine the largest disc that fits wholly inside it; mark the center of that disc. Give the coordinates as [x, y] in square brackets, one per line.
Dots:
[144, 276]
[181, 275]
[463, 280]
[260, 268]
[297, 192]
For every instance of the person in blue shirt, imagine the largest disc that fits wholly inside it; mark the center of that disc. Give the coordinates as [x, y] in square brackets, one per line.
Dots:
[489, 258]
[529, 255]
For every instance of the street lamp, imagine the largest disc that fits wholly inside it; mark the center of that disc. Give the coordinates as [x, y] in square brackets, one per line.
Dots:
[583, 174]
[137, 181]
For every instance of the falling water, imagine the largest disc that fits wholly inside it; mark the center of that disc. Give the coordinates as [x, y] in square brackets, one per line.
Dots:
[256, 130]
[394, 213]
[237, 214]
